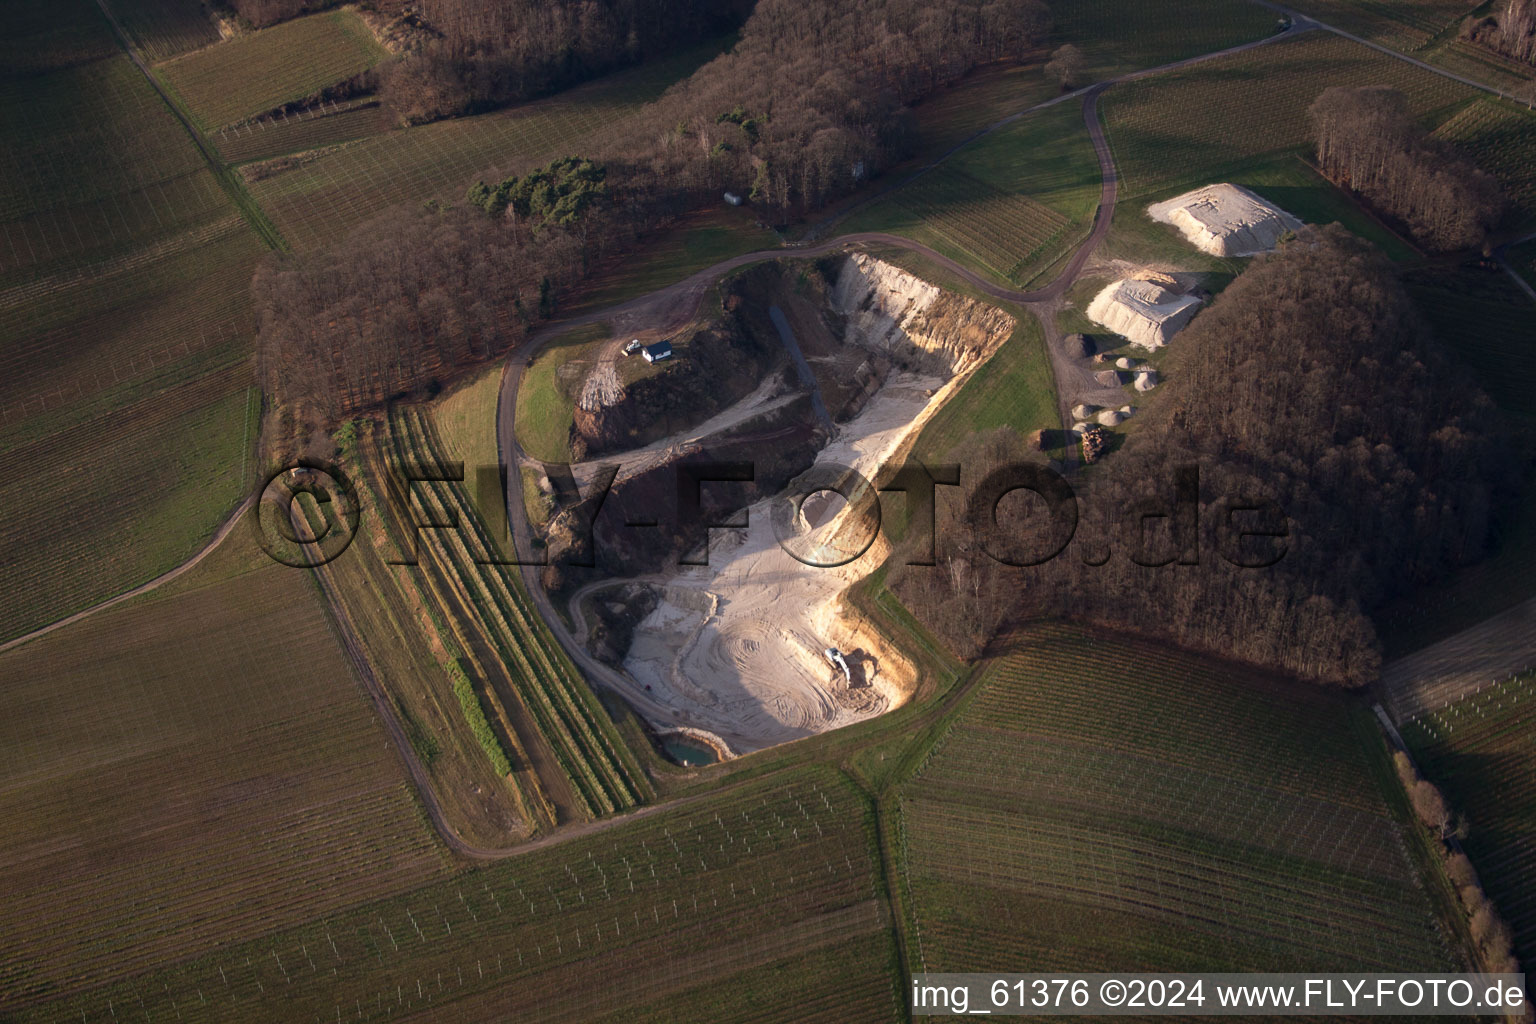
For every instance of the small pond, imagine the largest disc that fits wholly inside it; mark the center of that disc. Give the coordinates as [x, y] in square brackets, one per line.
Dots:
[686, 750]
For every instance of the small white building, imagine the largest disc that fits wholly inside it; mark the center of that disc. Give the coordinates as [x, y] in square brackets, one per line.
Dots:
[733, 198]
[657, 352]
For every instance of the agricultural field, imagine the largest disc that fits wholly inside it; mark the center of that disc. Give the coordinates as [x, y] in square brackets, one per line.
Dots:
[161, 29]
[125, 396]
[1488, 322]
[1469, 60]
[316, 128]
[257, 72]
[1500, 137]
[319, 198]
[556, 716]
[1126, 35]
[1481, 752]
[41, 35]
[1106, 804]
[263, 791]
[410, 646]
[700, 913]
[1207, 122]
[1007, 205]
[1523, 258]
[978, 101]
[696, 241]
[1404, 25]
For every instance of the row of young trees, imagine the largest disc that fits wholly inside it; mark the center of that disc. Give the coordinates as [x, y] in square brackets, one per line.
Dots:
[1510, 29]
[1308, 388]
[481, 55]
[1369, 141]
[1491, 934]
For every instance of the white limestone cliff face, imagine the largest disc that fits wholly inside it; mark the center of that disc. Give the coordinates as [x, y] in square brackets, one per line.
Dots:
[917, 324]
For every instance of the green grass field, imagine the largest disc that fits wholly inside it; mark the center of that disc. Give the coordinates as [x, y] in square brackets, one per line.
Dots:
[1008, 205]
[318, 201]
[1207, 122]
[1481, 751]
[1105, 804]
[700, 913]
[251, 74]
[124, 331]
[1014, 389]
[1126, 35]
[1405, 25]
[1500, 137]
[546, 397]
[191, 766]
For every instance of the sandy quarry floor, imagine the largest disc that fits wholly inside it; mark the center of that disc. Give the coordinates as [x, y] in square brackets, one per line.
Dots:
[735, 647]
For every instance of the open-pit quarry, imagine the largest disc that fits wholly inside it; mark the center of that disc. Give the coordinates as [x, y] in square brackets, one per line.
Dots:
[735, 651]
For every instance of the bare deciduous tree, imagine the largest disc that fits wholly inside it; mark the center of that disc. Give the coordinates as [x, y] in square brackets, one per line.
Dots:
[1068, 66]
[1368, 141]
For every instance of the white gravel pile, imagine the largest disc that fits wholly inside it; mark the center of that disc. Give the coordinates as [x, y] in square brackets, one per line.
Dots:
[1225, 220]
[1145, 312]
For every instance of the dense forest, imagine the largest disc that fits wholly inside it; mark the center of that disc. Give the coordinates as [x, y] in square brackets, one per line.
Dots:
[1368, 141]
[1310, 385]
[481, 55]
[1510, 29]
[807, 105]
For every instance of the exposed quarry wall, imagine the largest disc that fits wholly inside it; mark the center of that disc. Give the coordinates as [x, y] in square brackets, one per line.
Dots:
[916, 324]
